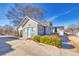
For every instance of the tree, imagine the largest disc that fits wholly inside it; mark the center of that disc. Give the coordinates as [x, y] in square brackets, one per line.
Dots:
[1, 30]
[9, 30]
[19, 11]
[71, 28]
[78, 26]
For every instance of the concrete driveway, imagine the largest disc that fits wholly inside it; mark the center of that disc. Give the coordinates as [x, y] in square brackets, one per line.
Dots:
[10, 46]
[31, 48]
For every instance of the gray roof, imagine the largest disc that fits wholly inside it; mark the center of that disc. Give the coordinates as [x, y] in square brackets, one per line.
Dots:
[41, 22]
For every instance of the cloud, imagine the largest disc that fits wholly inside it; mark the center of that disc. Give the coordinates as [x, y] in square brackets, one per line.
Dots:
[52, 18]
[67, 12]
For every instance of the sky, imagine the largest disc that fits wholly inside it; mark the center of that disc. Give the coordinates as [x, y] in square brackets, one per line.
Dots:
[60, 14]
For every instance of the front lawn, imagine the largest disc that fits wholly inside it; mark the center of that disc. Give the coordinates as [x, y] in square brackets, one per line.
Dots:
[48, 39]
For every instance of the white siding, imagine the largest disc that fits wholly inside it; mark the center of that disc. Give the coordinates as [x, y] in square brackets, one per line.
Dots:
[31, 24]
[60, 31]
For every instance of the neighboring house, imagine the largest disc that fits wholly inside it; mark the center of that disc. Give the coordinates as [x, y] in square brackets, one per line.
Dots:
[30, 27]
[59, 30]
[78, 34]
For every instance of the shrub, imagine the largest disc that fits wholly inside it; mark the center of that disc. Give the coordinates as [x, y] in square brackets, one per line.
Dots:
[49, 39]
[37, 38]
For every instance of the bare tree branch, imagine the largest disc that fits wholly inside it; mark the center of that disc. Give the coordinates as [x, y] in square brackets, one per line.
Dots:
[19, 11]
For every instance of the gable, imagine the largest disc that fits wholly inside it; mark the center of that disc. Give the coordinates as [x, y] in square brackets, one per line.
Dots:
[24, 21]
[30, 23]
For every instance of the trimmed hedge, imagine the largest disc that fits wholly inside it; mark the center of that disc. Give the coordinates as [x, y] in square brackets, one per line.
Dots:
[48, 39]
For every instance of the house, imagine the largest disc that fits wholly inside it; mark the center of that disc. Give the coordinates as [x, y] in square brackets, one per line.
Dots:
[30, 27]
[59, 30]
